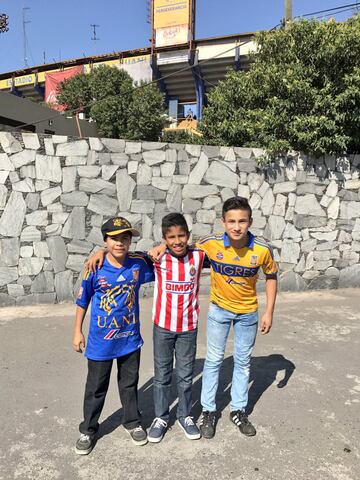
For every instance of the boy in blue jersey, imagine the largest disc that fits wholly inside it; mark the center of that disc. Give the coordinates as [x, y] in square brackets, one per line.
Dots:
[114, 331]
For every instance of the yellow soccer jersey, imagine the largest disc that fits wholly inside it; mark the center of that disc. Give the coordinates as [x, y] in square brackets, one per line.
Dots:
[234, 271]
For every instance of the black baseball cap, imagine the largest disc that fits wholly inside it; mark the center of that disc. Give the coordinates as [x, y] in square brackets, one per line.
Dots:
[117, 225]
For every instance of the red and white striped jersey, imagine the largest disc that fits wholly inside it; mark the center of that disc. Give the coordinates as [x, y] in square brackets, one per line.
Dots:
[176, 305]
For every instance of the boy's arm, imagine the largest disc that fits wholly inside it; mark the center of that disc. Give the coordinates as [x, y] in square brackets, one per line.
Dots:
[156, 253]
[271, 290]
[96, 260]
[78, 337]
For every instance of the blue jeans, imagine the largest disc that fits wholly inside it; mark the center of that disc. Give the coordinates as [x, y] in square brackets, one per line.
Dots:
[218, 328]
[166, 344]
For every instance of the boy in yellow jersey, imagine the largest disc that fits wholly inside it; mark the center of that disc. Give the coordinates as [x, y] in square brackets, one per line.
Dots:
[235, 256]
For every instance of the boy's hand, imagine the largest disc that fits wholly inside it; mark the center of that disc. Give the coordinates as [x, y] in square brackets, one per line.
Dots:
[156, 253]
[266, 322]
[79, 342]
[95, 261]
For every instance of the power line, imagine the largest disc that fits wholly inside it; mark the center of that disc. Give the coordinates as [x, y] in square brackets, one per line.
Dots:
[356, 4]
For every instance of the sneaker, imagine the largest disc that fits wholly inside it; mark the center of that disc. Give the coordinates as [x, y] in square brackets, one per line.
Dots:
[190, 429]
[138, 435]
[85, 444]
[157, 430]
[207, 424]
[240, 419]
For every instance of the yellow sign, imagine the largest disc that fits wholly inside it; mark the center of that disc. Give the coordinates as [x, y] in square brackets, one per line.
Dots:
[18, 81]
[170, 13]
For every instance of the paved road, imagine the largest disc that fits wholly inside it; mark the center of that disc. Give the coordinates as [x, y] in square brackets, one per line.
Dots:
[304, 395]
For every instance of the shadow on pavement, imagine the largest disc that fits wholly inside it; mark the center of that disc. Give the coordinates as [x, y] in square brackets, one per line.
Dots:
[263, 374]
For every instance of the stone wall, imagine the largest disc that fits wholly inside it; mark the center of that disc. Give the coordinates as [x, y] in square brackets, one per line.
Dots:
[55, 193]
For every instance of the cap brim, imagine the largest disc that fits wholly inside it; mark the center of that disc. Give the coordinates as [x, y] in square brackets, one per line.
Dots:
[136, 233]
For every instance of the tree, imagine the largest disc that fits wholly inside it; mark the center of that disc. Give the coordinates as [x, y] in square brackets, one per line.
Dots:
[301, 92]
[119, 108]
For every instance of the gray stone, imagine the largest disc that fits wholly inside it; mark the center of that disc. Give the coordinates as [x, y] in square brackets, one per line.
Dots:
[75, 225]
[323, 282]
[141, 206]
[308, 245]
[125, 186]
[55, 208]
[43, 283]
[255, 201]
[30, 266]
[322, 264]
[8, 275]
[193, 150]
[332, 189]
[290, 251]
[218, 174]
[32, 201]
[133, 147]
[25, 186]
[48, 196]
[284, 187]
[41, 250]
[199, 170]
[76, 161]
[27, 171]
[275, 227]
[74, 149]
[173, 198]
[352, 184]
[144, 244]
[76, 262]
[79, 246]
[333, 208]
[68, 179]
[322, 255]
[170, 156]
[9, 252]
[95, 236]
[48, 168]
[89, 171]
[60, 217]
[258, 220]
[38, 218]
[205, 216]
[345, 195]
[226, 193]
[198, 191]
[5, 163]
[190, 206]
[3, 196]
[291, 170]
[326, 236]
[95, 144]
[49, 146]
[308, 221]
[103, 205]
[345, 237]
[31, 141]
[326, 246]
[161, 183]
[75, 199]
[255, 181]
[291, 232]
[120, 159]
[30, 234]
[200, 230]
[59, 138]
[280, 205]
[154, 157]
[15, 290]
[64, 286]
[114, 145]
[107, 171]
[308, 205]
[12, 219]
[14, 177]
[144, 192]
[26, 251]
[332, 272]
[9, 143]
[180, 179]
[306, 188]
[211, 151]
[300, 267]
[243, 191]
[36, 299]
[275, 174]
[57, 252]
[144, 175]
[153, 145]
[3, 177]
[349, 210]
[147, 226]
[97, 185]
[356, 230]
[291, 282]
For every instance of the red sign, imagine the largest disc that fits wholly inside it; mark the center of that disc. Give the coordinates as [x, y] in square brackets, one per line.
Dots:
[52, 81]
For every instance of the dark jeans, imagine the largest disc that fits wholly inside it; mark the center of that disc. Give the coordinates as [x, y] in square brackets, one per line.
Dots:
[97, 384]
[166, 343]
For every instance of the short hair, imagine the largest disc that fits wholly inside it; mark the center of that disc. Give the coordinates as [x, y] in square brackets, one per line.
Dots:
[173, 220]
[236, 203]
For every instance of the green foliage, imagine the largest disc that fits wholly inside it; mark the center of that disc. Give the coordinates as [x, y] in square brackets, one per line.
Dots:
[302, 92]
[120, 109]
[181, 136]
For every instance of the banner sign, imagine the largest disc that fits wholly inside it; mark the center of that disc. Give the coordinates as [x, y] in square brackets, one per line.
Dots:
[52, 81]
[171, 22]
[165, 37]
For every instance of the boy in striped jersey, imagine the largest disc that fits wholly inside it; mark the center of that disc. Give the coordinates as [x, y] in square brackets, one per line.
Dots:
[175, 317]
[235, 257]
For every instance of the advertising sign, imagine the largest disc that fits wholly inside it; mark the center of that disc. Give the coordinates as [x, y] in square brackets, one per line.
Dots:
[171, 22]
[52, 81]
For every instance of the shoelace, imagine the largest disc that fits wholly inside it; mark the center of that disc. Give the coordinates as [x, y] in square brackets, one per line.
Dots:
[207, 418]
[138, 429]
[189, 421]
[84, 437]
[158, 423]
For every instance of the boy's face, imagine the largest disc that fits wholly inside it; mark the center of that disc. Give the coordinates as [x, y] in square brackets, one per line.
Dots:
[236, 224]
[118, 245]
[176, 239]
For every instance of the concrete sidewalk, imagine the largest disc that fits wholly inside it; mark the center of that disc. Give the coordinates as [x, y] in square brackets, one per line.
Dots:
[304, 397]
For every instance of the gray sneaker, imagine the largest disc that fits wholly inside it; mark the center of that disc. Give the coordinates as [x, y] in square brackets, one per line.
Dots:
[189, 428]
[85, 444]
[138, 435]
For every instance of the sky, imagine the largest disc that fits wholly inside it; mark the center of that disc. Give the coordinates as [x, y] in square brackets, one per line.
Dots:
[60, 30]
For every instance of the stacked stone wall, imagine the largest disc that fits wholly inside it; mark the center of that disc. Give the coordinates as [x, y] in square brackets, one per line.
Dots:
[55, 192]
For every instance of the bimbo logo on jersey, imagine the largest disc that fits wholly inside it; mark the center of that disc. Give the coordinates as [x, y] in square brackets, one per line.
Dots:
[179, 287]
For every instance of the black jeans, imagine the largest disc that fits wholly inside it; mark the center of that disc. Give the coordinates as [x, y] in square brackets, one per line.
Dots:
[166, 344]
[97, 384]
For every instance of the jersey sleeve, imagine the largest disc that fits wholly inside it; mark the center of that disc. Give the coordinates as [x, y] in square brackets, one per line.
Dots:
[147, 271]
[86, 291]
[269, 266]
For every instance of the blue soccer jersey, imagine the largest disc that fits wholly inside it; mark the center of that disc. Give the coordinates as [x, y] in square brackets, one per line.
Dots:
[114, 328]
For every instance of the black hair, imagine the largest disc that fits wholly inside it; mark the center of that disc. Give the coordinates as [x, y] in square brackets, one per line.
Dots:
[236, 203]
[173, 220]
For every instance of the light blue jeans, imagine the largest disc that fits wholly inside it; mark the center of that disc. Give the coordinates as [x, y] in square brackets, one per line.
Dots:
[218, 328]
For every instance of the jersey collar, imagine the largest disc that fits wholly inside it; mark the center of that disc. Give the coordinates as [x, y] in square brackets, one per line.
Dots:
[249, 244]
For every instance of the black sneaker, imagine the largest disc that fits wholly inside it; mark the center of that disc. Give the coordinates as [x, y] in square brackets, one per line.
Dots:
[85, 444]
[138, 435]
[240, 419]
[207, 424]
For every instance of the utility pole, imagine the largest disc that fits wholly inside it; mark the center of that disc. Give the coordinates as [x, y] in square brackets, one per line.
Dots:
[288, 12]
[94, 38]
[24, 22]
